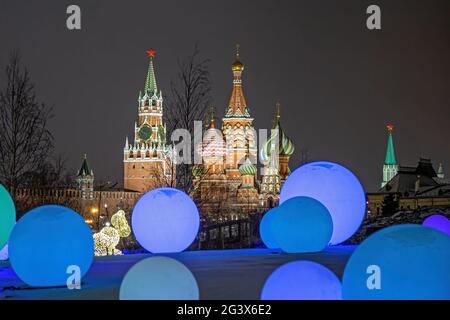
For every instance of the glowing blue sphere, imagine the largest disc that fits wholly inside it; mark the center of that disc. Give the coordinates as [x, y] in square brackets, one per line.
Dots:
[165, 220]
[405, 262]
[302, 224]
[337, 188]
[7, 215]
[46, 241]
[302, 280]
[438, 222]
[159, 278]
[265, 229]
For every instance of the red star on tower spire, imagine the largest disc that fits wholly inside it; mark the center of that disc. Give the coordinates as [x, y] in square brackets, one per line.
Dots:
[151, 53]
[390, 127]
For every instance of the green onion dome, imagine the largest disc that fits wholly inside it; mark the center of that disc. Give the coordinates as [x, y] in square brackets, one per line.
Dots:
[285, 144]
[247, 168]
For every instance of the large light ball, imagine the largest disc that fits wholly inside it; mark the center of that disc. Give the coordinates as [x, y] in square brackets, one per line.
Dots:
[337, 188]
[265, 229]
[165, 220]
[302, 280]
[159, 278]
[402, 262]
[438, 222]
[302, 224]
[46, 241]
[7, 215]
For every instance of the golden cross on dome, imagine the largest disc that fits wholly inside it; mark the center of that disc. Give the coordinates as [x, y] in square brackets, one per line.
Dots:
[237, 51]
[278, 110]
[212, 118]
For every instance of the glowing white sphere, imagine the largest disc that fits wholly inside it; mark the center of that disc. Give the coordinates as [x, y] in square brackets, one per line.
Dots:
[334, 186]
[159, 278]
[165, 220]
[302, 280]
[4, 253]
[46, 242]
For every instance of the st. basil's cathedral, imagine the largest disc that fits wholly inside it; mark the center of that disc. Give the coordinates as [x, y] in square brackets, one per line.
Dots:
[226, 183]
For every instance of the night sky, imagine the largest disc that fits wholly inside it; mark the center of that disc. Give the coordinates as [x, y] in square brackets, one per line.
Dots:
[339, 83]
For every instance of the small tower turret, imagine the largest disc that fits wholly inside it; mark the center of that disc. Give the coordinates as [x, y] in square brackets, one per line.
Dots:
[85, 179]
[440, 173]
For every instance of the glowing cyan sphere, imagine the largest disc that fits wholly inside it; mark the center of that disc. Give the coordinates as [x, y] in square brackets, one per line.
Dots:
[46, 241]
[337, 188]
[404, 262]
[438, 222]
[302, 224]
[302, 280]
[265, 229]
[7, 215]
[159, 278]
[165, 220]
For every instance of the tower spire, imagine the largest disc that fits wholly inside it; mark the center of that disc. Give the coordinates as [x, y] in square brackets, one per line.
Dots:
[390, 154]
[390, 167]
[150, 82]
[237, 107]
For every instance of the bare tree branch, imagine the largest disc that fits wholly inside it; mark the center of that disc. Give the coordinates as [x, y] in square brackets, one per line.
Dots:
[189, 99]
[25, 141]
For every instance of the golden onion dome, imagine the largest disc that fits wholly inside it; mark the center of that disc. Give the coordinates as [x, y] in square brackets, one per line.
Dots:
[237, 66]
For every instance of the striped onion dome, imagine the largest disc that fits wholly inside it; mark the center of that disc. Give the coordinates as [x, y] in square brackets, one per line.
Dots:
[213, 144]
[285, 144]
[247, 168]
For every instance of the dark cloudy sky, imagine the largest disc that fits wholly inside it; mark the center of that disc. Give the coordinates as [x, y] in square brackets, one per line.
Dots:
[338, 82]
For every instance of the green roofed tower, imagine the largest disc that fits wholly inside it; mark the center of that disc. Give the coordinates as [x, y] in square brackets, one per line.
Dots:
[150, 82]
[390, 167]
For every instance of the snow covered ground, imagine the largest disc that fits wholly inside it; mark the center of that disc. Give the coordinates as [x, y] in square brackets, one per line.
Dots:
[226, 274]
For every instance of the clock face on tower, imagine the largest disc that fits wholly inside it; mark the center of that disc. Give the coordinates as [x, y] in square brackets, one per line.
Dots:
[145, 132]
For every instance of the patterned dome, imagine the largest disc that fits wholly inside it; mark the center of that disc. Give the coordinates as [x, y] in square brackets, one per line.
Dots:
[248, 168]
[285, 145]
[213, 144]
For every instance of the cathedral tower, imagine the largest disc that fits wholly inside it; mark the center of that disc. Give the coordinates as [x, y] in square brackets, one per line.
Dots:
[390, 167]
[237, 125]
[148, 161]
